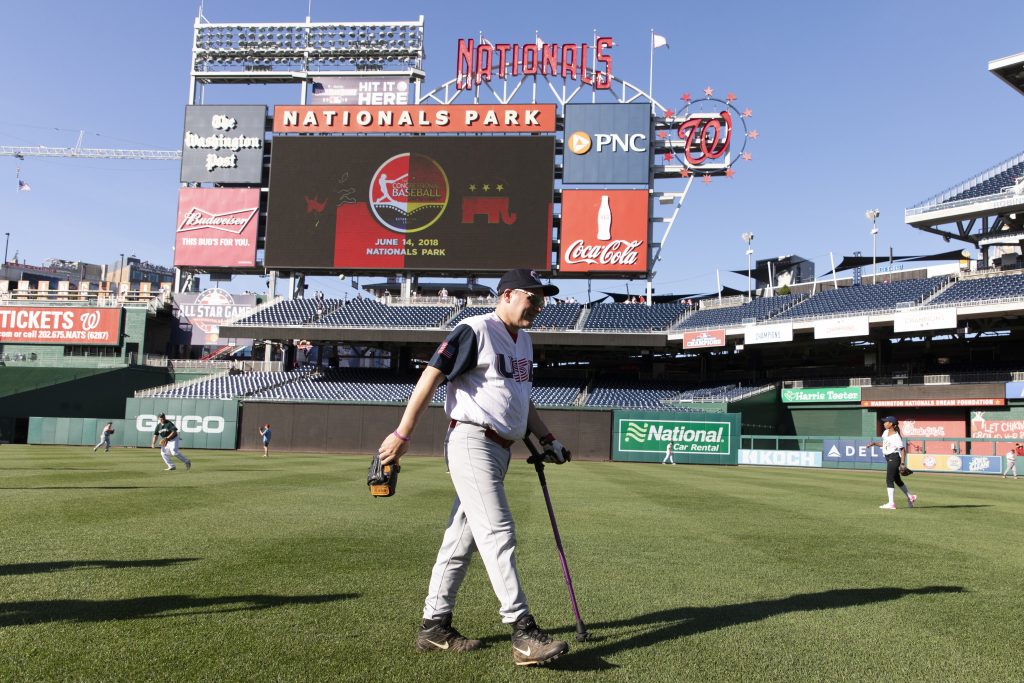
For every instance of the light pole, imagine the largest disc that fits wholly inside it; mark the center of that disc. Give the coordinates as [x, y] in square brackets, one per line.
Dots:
[748, 237]
[120, 274]
[6, 242]
[872, 215]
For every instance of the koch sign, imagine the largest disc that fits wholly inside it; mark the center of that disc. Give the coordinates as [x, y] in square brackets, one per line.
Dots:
[223, 144]
[607, 143]
[30, 325]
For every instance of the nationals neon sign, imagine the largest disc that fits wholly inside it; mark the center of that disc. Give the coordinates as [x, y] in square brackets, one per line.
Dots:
[480, 62]
[706, 137]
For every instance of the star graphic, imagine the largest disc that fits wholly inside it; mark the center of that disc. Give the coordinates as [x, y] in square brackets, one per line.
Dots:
[746, 156]
[747, 113]
[499, 187]
[730, 97]
[472, 187]
[662, 134]
[729, 173]
[668, 156]
[684, 173]
[486, 187]
[686, 97]
[708, 92]
[669, 113]
[707, 179]
[753, 134]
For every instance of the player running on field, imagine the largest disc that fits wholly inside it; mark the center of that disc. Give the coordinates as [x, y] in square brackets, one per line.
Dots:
[169, 442]
[488, 362]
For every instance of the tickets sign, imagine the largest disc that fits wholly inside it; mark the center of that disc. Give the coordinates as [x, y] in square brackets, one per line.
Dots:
[31, 325]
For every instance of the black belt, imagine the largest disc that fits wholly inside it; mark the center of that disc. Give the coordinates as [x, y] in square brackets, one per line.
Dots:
[489, 433]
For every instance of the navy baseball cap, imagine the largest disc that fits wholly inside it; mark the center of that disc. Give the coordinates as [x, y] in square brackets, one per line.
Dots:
[524, 278]
[161, 415]
[890, 418]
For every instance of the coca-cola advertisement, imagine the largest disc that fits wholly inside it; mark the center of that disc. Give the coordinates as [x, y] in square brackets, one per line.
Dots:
[217, 227]
[604, 231]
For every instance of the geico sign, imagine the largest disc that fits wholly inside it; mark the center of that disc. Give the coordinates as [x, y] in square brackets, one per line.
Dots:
[187, 424]
[581, 143]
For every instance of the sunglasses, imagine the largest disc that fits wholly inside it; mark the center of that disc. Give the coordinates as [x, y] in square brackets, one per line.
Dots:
[534, 299]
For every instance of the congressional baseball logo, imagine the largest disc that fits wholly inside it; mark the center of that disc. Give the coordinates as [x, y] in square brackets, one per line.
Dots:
[579, 142]
[408, 193]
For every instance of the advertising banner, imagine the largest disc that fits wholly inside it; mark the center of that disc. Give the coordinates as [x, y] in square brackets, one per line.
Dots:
[841, 327]
[931, 402]
[780, 458]
[223, 143]
[767, 334]
[32, 325]
[201, 423]
[694, 438]
[703, 340]
[996, 424]
[607, 143]
[857, 452]
[216, 227]
[452, 204]
[1015, 390]
[928, 319]
[604, 231]
[822, 395]
[964, 464]
[932, 425]
[206, 311]
[417, 118]
[360, 90]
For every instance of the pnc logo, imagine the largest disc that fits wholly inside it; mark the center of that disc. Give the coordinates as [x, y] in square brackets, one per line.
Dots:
[579, 143]
[186, 424]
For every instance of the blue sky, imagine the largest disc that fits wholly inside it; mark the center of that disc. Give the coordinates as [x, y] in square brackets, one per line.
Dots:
[858, 105]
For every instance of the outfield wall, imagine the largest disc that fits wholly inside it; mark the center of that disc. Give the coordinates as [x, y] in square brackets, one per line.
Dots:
[72, 431]
[360, 428]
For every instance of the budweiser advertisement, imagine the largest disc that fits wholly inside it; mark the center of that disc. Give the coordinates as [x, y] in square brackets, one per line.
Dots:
[441, 204]
[29, 325]
[217, 227]
[420, 118]
[703, 340]
[604, 231]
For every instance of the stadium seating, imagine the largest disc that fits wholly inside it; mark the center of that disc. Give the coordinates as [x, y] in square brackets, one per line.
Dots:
[633, 317]
[864, 298]
[990, 183]
[369, 313]
[984, 289]
[292, 312]
[757, 310]
[229, 386]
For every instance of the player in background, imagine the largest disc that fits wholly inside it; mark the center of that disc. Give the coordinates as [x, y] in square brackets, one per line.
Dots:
[108, 429]
[488, 362]
[1011, 459]
[265, 434]
[668, 459]
[166, 431]
[895, 457]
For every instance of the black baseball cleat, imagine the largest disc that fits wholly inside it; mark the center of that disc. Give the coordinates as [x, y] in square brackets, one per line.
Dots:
[439, 634]
[533, 647]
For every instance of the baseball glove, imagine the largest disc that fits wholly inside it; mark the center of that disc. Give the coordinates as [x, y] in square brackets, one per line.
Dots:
[163, 442]
[382, 479]
[905, 471]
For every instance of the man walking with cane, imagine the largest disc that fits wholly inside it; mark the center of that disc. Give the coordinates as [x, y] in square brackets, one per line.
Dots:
[488, 362]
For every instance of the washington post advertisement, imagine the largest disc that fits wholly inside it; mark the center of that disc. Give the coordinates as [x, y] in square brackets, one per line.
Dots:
[428, 204]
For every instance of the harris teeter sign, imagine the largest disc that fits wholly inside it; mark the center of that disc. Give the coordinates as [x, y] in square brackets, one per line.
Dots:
[822, 395]
[694, 438]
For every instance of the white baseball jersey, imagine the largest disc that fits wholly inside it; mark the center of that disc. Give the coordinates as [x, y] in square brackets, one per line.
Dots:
[891, 443]
[490, 374]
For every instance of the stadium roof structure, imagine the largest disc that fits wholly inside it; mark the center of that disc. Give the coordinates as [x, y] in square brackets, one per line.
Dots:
[985, 210]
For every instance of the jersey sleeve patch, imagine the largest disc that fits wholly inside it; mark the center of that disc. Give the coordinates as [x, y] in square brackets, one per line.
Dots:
[457, 353]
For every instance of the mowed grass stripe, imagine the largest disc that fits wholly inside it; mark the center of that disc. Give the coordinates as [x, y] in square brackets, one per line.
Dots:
[285, 569]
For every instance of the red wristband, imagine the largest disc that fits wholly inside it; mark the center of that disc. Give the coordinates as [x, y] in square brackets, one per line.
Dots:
[399, 436]
[545, 440]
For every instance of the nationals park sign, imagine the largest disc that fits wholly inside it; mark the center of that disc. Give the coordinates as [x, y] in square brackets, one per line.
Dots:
[693, 438]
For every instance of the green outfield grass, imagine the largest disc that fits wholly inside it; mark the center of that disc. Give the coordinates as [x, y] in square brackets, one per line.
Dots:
[284, 569]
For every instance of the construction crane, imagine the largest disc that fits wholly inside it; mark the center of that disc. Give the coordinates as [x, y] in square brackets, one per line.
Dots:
[91, 153]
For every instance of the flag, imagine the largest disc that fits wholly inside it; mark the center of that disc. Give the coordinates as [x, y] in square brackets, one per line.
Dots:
[540, 43]
[23, 186]
[661, 41]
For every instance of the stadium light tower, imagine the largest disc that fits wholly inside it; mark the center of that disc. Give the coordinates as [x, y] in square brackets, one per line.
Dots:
[872, 215]
[6, 243]
[748, 237]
